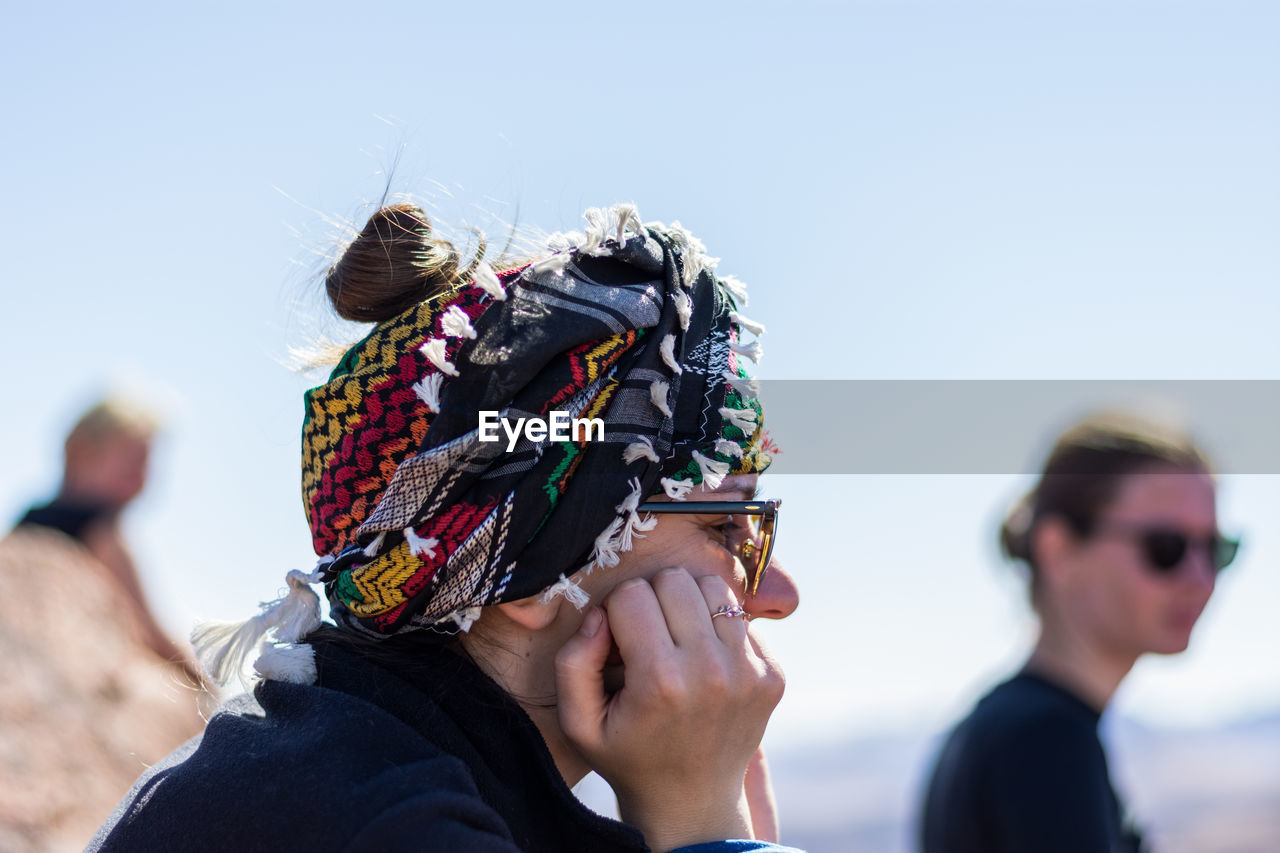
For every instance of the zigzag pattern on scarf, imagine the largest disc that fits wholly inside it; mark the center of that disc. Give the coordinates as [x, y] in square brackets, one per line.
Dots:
[367, 420]
[389, 580]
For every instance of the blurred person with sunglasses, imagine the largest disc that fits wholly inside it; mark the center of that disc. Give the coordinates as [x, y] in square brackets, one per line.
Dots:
[1121, 539]
[507, 616]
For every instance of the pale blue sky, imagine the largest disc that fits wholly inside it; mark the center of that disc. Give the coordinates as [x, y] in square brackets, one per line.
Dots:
[912, 190]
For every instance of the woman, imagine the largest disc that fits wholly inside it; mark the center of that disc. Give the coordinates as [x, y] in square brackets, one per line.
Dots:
[508, 614]
[1121, 539]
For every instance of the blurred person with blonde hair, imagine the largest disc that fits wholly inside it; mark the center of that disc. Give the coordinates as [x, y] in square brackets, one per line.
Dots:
[94, 689]
[106, 457]
[1121, 540]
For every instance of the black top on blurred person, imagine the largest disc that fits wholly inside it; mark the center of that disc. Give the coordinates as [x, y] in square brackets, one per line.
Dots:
[1121, 541]
[105, 470]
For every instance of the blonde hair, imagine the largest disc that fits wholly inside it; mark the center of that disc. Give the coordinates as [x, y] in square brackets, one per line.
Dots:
[110, 418]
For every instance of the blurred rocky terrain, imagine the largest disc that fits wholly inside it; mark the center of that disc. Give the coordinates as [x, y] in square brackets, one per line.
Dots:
[84, 705]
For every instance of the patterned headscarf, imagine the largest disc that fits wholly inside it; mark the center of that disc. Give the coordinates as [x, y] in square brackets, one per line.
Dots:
[419, 523]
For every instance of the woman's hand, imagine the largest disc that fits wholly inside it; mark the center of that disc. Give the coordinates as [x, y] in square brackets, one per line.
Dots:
[675, 741]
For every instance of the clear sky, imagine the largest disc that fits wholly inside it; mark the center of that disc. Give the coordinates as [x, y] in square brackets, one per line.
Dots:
[945, 190]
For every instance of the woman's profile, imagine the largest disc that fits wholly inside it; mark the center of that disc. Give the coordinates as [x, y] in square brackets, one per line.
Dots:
[508, 615]
[1121, 538]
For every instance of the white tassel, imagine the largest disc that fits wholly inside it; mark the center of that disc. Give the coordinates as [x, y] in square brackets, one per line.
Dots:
[605, 552]
[371, 550]
[562, 242]
[487, 280]
[642, 449]
[223, 647]
[658, 394]
[684, 238]
[627, 215]
[571, 592]
[745, 384]
[554, 264]
[425, 548]
[677, 490]
[752, 350]
[295, 663]
[456, 324]
[428, 390]
[692, 268]
[668, 350]
[736, 289]
[694, 252]
[743, 419]
[635, 528]
[747, 323]
[597, 231]
[436, 353]
[725, 447]
[465, 618]
[684, 309]
[632, 501]
[713, 470]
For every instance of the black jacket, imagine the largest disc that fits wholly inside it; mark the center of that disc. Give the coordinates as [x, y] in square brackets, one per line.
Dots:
[365, 759]
[1025, 772]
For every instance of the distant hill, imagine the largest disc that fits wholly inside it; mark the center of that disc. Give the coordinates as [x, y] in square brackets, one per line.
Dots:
[1193, 791]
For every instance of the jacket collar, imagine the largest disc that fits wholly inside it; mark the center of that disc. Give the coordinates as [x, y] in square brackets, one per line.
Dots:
[449, 701]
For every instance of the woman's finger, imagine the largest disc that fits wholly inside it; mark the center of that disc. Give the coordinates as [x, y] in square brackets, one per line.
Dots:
[582, 700]
[729, 627]
[637, 623]
[684, 607]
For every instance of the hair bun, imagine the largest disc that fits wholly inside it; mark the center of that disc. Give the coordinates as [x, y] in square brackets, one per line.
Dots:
[1015, 533]
[390, 266]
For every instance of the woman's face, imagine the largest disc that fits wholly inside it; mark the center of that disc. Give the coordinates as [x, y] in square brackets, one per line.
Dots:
[704, 545]
[1112, 591]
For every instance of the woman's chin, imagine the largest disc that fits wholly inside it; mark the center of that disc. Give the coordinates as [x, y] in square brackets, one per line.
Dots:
[1172, 641]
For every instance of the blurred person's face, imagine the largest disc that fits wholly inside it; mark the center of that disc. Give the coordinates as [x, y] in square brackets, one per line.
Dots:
[113, 470]
[1110, 590]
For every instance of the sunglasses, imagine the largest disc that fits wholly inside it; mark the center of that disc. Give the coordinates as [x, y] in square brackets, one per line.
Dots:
[756, 551]
[1166, 548]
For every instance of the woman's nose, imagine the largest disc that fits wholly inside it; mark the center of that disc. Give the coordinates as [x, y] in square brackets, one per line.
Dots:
[777, 596]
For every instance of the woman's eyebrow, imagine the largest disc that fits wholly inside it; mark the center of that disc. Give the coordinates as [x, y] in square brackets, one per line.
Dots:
[736, 491]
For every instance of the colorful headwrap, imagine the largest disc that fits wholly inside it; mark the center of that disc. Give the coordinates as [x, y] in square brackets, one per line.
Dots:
[419, 523]
[427, 523]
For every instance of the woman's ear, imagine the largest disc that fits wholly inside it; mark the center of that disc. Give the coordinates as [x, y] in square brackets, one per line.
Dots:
[530, 613]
